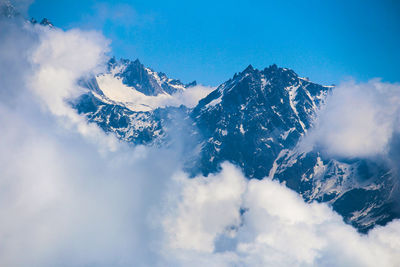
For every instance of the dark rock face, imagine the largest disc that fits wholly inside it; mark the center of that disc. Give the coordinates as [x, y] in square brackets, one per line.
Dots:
[132, 127]
[249, 119]
[254, 120]
[46, 22]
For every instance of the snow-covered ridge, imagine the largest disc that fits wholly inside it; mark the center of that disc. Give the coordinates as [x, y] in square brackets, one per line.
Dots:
[115, 90]
[162, 79]
[117, 86]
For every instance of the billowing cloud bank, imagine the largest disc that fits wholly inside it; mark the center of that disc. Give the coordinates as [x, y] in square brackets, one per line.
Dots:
[73, 196]
[359, 120]
[276, 227]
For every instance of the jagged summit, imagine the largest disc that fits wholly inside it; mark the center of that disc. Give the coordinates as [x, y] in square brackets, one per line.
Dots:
[273, 67]
[191, 84]
[248, 69]
[46, 22]
[134, 74]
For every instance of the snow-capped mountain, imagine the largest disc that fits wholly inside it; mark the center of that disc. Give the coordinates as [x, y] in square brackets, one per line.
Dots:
[249, 119]
[134, 74]
[131, 85]
[132, 101]
[254, 120]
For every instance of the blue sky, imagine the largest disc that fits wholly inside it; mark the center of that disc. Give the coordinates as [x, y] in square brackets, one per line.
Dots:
[210, 40]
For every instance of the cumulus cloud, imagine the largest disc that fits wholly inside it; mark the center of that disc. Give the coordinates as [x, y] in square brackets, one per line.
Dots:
[276, 228]
[59, 61]
[64, 203]
[197, 219]
[358, 120]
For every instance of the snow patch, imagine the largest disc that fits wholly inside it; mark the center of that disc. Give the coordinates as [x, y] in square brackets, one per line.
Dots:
[116, 91]
[292, 90]
[242, 131]
[214, 102]
[286, 134]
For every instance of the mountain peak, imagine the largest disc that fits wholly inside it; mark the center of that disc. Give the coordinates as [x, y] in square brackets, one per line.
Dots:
[46, 22]
[273, 68]
[192, 84]
[280, 73]
[248, 69]
[143, 79]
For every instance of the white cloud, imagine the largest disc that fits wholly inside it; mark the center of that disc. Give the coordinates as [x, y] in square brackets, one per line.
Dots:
[58, 62]
[191, 96]
[277, 229]
[209, 205]
[358, 119]
[63, 202]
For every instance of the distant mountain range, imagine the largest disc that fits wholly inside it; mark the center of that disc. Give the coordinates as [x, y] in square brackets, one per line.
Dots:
[254, 120]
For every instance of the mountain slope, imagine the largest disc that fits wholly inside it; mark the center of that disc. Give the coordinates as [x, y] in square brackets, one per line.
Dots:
[145, 80]
[132, 101]
[249, 119]
[364, 191]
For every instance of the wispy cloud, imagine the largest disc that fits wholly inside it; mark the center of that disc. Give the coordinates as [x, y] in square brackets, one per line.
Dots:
[359, 120]
[116, 16]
